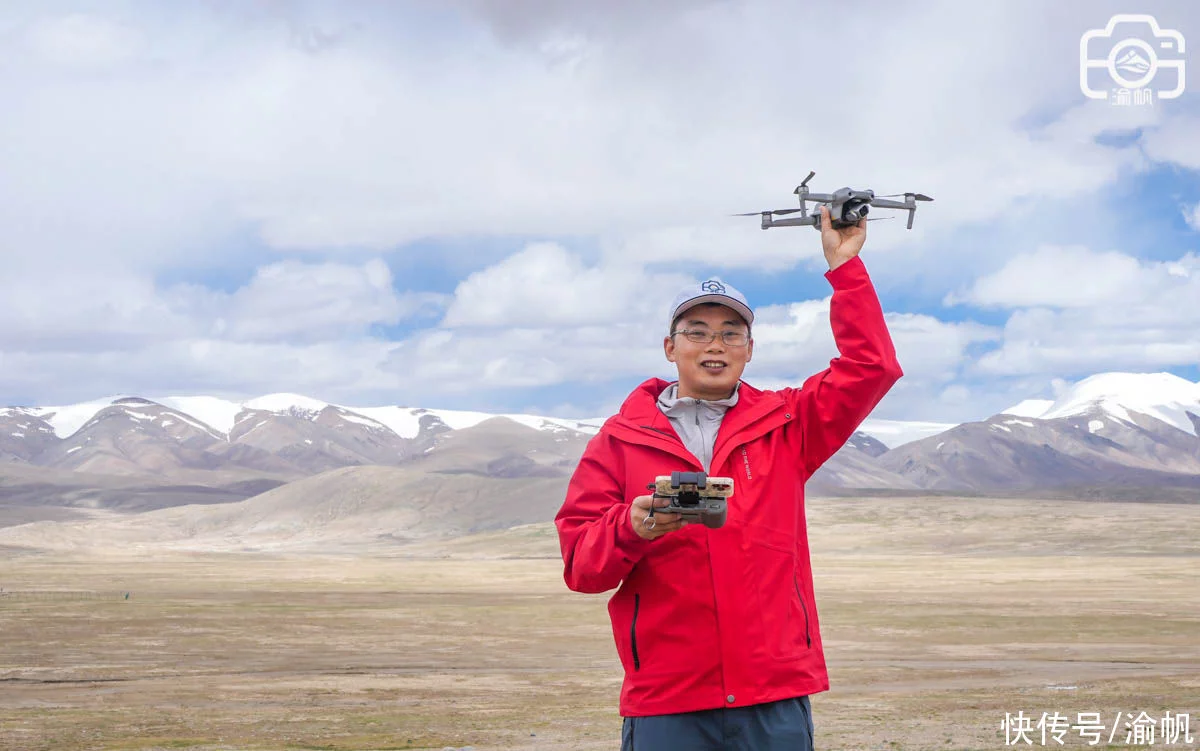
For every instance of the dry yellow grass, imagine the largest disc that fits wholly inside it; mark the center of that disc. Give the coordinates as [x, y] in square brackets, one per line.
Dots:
[940, 615]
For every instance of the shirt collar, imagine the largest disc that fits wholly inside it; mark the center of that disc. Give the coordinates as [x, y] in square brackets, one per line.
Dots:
[669, 400]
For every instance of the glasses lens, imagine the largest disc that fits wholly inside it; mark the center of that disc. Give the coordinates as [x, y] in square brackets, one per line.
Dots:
[733, 338]
[699, 337]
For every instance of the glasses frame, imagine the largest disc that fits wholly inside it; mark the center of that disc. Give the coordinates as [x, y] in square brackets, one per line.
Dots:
[712, 336]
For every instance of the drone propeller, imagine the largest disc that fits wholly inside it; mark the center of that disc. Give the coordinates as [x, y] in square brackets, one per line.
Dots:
[776, 211]
[916, 196]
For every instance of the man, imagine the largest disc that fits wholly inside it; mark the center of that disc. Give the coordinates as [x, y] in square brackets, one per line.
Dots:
[717, 629]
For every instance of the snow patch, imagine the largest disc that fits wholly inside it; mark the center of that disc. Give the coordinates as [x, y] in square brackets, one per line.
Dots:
[1030, 408]
[201, 426]
[255, 427]
[406, 421]
[1026, 423]
[401, 420]
[1094, 425]
[216, 414]
[1005, 428]
[287, 404]
[66, 420]
[359, 420]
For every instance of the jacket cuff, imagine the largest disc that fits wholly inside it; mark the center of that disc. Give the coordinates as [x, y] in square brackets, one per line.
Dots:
[628, 541]
[848, 272]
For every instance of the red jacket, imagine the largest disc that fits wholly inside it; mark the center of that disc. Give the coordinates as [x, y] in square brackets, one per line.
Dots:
[707, 618]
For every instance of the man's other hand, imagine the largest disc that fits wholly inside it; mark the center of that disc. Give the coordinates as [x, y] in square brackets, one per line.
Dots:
[840, 245]
[652, 528]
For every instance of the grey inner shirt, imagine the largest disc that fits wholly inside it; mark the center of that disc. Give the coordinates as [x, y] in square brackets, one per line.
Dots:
[696, 420]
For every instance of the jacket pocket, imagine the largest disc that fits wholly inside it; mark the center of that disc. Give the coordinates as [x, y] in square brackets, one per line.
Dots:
[637, 602]
[782, 607]
[804, 609]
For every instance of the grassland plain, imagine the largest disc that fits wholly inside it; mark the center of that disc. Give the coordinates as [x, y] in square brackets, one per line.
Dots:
[940, 616]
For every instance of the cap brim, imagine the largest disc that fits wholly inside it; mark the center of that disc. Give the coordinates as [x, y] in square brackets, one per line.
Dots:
[725, 300]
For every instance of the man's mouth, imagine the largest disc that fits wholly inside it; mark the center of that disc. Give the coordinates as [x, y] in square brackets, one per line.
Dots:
[713, 365]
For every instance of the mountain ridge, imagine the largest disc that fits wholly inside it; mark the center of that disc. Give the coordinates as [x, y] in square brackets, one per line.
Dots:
[1121, 429]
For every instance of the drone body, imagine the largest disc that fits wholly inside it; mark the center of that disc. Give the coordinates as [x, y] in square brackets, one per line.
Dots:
[846, 206]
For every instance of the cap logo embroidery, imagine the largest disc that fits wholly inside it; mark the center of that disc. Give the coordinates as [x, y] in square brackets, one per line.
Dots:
[713, 286]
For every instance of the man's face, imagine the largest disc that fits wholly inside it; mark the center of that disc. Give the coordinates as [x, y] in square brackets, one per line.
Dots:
[708, 371]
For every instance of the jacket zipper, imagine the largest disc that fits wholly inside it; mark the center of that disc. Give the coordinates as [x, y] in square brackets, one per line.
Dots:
[796, 584]
[637, 665]
[656, 430]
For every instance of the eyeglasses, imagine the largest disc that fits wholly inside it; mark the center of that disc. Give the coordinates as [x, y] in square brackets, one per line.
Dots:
[699, 336]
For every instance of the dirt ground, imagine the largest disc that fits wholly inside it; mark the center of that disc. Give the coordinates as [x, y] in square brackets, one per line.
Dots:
[939, 615]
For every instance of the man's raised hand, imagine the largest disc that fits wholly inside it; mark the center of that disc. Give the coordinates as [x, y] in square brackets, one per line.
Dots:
[840, 245]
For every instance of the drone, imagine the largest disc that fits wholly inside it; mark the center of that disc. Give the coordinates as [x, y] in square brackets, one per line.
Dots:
[846, 206]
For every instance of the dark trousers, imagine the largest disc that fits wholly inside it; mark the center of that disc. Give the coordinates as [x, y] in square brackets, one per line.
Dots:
[778, 726]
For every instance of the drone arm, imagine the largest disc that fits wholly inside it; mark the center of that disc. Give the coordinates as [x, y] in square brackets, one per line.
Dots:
[799, 221]
[883, 203]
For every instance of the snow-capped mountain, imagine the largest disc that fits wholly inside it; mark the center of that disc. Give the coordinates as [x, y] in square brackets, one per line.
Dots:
[222, 415]
[1114, 429]
[1124, 397]
[1111, 428]
[280, 436]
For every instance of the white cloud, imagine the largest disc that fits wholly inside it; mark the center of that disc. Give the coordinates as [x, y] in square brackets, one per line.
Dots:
[631, 128]
[1082, 312]
[546, 286]
[1175, 142]
[661, 122]
[83, 41]
[284, 302]
[794, 341]
[317, 302]
[88, 313]
[334, 370]
[1192, 217]
[735, 243]
[1077, 277]
[1067, 277]
[1084, 341]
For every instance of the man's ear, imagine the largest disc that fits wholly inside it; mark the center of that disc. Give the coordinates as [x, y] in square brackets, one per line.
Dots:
[749, 350]
[669, 348]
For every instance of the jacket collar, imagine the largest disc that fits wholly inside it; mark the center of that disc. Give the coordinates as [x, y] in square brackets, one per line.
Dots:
[641, 414]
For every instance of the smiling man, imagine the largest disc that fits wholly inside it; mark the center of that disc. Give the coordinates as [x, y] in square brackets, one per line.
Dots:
[717, 629]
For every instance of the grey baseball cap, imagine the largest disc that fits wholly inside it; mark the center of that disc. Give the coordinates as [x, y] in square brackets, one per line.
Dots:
[710, 290]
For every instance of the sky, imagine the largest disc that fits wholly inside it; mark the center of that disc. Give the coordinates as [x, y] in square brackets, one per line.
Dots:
[490, 206]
